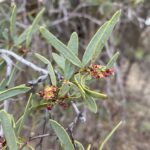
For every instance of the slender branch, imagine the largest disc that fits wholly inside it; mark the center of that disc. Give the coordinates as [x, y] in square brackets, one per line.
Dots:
[24, 61]
[35, 138]
[76, 15]
[38, 80]
[79, 117]
[44, 127]
[75, 108]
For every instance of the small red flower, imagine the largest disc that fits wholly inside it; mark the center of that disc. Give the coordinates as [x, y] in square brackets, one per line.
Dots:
[49, 106]
[48, 93]
[98, 71]
[51, 93]
[64, 105]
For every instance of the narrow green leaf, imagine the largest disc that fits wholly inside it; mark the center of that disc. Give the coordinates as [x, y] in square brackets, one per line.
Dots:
[59, 60]
[69, 70]
[19, 40]
[89, 147]
[77, 81]
[112, 60]
[33, 28]
[109, 135]
[5, 34]
[5, 94]
[106, 34]
[79, 145]
[13, 22]
[60, 47]
[95, 94]
[52, 74]
[8, 130]
[99, 39]
[92, 45]
[64, 89]
[62, 135]
[24, 116]
[91, 104]
[42, 58]
[90, 92]
[1, 83]
[13, 72]
[72, 45]
[50, 68]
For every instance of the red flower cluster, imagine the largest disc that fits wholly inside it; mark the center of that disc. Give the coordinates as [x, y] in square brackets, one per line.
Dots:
[50, 93]
[98, 71]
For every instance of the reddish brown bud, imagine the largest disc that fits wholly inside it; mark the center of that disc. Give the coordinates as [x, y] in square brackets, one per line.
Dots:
[64, 105]
[98, 71]
[49, 106]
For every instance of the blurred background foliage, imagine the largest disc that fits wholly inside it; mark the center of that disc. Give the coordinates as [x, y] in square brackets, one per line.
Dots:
[128, 90]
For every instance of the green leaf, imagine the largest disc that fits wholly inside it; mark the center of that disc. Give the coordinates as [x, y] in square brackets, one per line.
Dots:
[59, 60]
[98, 41]
[8, 130]
[52, 74]
[5, 34]
[42, 58]
[62, 135]
[13, 22]
[3, 84]
[13, 72]
[90, 92]
[72, 45]
[109, 135]
[106, 34]
[90, 102]
[64, 89]
[89, 147]
[6, 94]
[79, 145]
[50, 68]
[60, 47]
[19, 40]
[77, 79]
[25, 115]
[87, 57]
[95, 94]
[33, 28]
[112, 61]
[69, 70]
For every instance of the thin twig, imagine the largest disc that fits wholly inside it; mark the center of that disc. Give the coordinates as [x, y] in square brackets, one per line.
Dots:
[24, 61]
[35, 138]
[79, 117]
[76, 15]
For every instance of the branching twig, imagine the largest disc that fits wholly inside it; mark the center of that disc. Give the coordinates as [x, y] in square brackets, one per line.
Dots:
[35, 138]
[76, 15]
[79, 117]
[23, 61]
